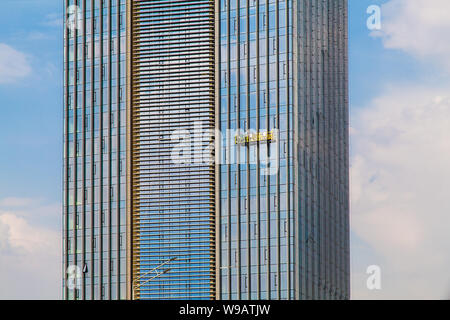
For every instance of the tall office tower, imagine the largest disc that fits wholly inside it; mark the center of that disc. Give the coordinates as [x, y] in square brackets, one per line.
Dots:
[282, 67]
[206, 149]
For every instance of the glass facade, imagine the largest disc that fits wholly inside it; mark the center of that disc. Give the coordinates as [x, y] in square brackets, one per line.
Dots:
[173, 180]
[322, 163]
[146, 82]
[256, 209]
[94, 215]
[284, 235]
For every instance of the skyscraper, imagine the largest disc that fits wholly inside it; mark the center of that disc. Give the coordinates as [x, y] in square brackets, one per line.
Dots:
[206, 149]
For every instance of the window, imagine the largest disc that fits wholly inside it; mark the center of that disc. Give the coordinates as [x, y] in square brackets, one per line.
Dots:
[104, 72]
[103, 145]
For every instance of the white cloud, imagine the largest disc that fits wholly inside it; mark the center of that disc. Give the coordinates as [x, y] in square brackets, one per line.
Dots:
[37, 36]
[16, 202]
[14, 64]
[29, 250]
[54, 20]
[400, 179]
[400, 166]
[418, 27]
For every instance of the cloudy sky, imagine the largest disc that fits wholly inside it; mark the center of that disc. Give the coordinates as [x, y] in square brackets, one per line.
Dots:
[400, 148]
[30, 144]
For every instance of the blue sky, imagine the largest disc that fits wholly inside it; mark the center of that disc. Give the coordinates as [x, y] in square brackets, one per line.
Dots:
[385, 71]
[372, 67]
[30, 140]
[400, 112]
[31, 122]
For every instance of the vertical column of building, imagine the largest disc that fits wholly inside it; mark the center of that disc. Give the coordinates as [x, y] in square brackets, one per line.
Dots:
[300, 101]
[281, 60]
[99, 231]
[67, 166]
[322, 133]
[73, 164]
[73, 169]
[218, 152]
[326, 151]
[237, 181]
[274, 84]
[244, 124]
[344, 156]
[255, 91]
[288, 60]
[334, 145]
[330, 91]
[106, 79]
[94, 208]
[256, 213]
[234, 198]
[333, 160]
[264, 107]
[332, 87]
[324, 218]
[84, 214]
[127, 116]
[90, 148]
[314, 240]
[278, 107]
[173, 210]
[230, 267]
[296, 116]
[316, 104]
[122, 124]
[345, 173]
[116, 142]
